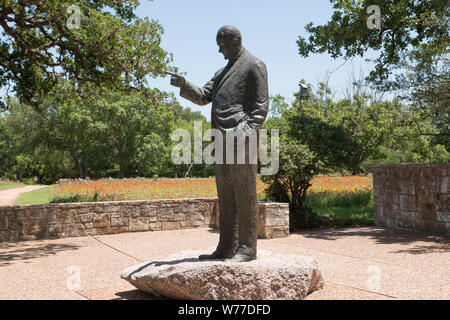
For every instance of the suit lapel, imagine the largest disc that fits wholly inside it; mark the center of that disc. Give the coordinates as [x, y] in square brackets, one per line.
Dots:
[232, 69]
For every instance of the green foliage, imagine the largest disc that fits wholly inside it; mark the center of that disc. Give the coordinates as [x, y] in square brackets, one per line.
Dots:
[304, 217]
[135, 132]
[110, 46]
[404, 23]
[413, 39]
[354, 133]
[426, 85]
[76, 198]
[336, 136]
[6, 158]
[334, 210]
[97, 134]
[340, 200]
[186, 120]
[108, 134]
[342, 210]
[277, 105]
[348, 131]
[100, 120]
[297, 164]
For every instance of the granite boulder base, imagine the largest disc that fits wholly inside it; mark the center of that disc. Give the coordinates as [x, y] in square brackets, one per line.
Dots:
[184, 276]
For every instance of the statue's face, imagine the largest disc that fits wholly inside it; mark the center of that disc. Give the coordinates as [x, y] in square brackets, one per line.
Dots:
[227, 46]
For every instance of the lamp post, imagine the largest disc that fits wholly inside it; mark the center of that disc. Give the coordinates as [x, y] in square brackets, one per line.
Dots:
[302, 94]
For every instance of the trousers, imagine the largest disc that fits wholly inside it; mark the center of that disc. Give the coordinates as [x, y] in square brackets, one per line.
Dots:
[238, 205]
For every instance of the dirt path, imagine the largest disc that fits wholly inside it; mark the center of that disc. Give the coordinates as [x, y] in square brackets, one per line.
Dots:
[7, 197]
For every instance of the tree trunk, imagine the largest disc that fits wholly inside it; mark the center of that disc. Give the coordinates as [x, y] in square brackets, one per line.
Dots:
[356, 170]
[121, 171]
[188, 170]
[80, 165]
[81, 170]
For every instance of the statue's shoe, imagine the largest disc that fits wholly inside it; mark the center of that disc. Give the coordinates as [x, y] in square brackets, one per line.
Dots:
[215, 255]
[242, 257]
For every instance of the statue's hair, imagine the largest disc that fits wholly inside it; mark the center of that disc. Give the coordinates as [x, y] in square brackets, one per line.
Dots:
[229, 31]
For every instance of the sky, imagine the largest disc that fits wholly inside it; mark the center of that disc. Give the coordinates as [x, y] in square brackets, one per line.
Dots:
[269, 31]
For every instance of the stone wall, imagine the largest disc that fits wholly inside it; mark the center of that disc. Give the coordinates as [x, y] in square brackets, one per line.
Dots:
[98, 218]
[412, 197]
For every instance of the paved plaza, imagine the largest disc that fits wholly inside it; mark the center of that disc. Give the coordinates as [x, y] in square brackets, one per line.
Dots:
[356, 263]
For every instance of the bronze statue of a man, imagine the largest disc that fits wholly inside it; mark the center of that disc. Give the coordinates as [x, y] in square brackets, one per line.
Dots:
[240, 100]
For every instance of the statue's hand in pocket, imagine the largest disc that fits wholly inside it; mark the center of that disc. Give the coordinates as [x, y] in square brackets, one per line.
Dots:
[240, 128]
[248, 130]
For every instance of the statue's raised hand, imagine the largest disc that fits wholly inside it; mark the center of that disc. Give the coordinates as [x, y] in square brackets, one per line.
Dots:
[177, 80]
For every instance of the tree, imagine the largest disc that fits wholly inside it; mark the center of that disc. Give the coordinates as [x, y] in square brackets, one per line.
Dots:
[6, 159]
[338, 135]
[346, 132]
[297, 163]
[99, 42]
[426, 82]
[297, 166]
[28, 151]
[277, 105]
[412, 43]
[134, 129]
[407, 145]
[102, 134]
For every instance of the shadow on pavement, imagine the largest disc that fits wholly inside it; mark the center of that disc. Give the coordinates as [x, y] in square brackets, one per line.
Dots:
[137, 295]
[213, 230]
[437, 243]
[21, 251]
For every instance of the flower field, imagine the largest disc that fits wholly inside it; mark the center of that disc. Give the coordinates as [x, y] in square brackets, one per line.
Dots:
[148, 189]
[340, 184]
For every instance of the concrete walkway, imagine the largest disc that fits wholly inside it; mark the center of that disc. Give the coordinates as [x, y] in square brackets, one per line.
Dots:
[356, 263]
[9, 196]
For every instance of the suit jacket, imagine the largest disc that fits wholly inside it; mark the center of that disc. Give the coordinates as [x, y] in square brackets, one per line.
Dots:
[239, 94]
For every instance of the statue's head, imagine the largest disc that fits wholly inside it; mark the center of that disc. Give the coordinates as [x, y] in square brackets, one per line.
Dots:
[229, 40]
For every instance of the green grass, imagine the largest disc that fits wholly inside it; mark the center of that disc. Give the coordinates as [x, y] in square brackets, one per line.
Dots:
[39, 196]
[5, 185]
[339, 210]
